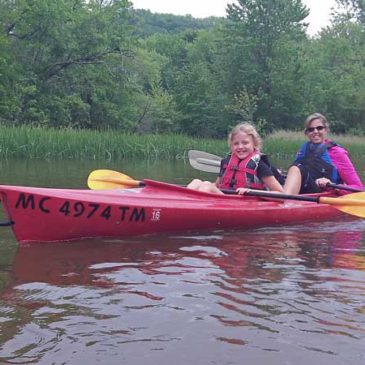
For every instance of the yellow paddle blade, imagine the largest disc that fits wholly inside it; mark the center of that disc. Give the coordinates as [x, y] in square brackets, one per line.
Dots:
[109, 179]
[353, 204]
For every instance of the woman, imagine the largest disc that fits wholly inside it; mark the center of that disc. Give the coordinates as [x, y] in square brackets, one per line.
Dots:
[244, 168]
[320, 161]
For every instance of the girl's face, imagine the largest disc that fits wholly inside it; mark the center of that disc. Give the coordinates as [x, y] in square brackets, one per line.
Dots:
[242, 145]
[316, 131]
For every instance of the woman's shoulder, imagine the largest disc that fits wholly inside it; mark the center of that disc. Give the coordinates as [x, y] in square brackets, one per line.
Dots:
[335, 148]
[303, 150]
[303, 147]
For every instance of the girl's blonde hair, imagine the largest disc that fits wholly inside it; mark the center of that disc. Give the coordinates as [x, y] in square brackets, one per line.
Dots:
[315, 116]
[250, 130]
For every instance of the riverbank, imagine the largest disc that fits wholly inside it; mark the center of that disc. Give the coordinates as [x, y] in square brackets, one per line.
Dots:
[41, 143]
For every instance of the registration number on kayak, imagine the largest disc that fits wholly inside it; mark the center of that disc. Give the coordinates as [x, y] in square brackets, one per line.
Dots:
[81, 209]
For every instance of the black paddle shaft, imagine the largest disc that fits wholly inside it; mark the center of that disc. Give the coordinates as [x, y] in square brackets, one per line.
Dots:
[267, 194]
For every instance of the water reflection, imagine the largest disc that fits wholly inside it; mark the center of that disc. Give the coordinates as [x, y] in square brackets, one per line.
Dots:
[272, 295]
[74, 173]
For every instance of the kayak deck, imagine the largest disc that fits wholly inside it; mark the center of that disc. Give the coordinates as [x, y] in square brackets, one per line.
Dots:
[46, 215]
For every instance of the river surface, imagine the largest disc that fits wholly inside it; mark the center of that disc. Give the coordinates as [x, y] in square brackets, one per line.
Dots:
[283, 295]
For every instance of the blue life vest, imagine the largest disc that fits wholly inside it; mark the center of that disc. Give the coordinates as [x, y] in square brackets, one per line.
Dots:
[316, 159]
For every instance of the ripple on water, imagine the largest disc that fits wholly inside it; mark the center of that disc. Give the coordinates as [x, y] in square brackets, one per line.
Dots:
[290, 295]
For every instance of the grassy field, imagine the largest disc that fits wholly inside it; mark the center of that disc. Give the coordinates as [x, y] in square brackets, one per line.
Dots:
[42, 143]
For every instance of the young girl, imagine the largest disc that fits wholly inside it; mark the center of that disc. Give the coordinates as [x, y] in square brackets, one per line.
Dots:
[244, 169]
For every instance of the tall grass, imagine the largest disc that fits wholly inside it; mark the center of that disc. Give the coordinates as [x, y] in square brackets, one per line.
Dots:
[286, 143]
[31, 142]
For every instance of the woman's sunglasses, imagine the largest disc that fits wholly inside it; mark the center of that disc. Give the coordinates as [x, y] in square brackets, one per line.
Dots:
[312, 129]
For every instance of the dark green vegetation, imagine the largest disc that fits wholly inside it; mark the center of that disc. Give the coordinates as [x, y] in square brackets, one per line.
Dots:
[101, 65]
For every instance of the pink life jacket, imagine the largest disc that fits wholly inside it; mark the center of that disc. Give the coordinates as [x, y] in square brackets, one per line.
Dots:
[241, 173]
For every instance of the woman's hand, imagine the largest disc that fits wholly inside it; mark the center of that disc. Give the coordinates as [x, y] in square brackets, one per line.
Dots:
[322, 182]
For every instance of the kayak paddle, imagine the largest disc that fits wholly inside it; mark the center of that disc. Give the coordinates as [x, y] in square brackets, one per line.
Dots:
[344, 187]
[207, 162]
[353, 204]
[204, 161]
[109, 179]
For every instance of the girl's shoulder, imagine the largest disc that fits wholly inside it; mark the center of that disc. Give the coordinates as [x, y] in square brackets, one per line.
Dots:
[225, 160]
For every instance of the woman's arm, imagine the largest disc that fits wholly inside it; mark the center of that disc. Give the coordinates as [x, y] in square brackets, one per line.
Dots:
[345, 167]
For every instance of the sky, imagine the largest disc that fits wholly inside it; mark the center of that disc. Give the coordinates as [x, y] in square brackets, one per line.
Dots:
[319, 9]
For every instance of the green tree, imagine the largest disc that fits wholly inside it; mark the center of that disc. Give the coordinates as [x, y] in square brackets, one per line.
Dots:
[62, 48]
[199, 96]
[6, 80]
[147, 23]
[335, 75]
[355, 8]
[155, 107]
[260, 48]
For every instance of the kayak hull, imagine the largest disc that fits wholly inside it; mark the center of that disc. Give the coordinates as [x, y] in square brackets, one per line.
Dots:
[47, 215]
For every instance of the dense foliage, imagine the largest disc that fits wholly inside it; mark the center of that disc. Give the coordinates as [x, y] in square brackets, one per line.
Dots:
[100, 64]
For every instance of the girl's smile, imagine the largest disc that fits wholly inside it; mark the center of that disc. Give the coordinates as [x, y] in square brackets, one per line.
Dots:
[242, 145]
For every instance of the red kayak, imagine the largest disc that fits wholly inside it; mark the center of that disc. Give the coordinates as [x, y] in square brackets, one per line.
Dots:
[46, 215]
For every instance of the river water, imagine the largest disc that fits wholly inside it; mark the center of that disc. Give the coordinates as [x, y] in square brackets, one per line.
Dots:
[284, 295]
